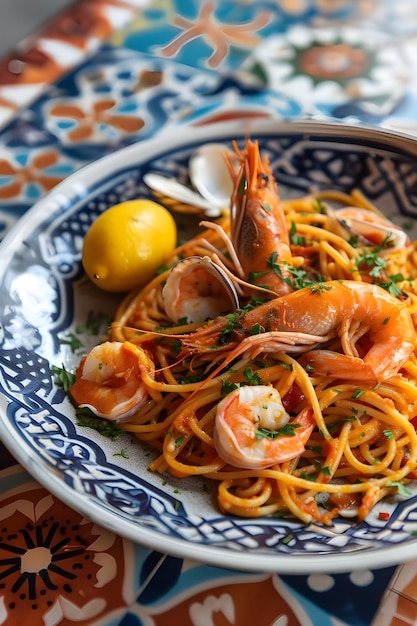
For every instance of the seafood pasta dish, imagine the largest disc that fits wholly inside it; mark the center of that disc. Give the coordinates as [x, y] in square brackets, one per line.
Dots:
[274, 353]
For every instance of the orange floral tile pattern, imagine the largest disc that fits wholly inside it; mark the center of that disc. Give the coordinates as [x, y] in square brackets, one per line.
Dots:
[231, 603]
[55, 565]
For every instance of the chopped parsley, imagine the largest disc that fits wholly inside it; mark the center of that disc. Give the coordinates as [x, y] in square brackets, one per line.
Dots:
[401, 489]
[72, 341]
[390, 284]
[320, 287]
[271, 263]
[252, 377]
[311, 477]
[296, 240]
[372, 260]
[228, 387]
[319, 206]
[315, 449]
[104, 427]
[123, 453]
[177, 346]
[94, 323]
[63, 377]
[377, 264]
[324, 469]
[286, 366]
[286, 431]
[232, 321]
[332, 428]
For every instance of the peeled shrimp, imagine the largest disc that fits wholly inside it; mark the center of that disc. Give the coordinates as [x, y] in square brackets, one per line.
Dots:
[247, 428]
[323, 312]
[109, 380]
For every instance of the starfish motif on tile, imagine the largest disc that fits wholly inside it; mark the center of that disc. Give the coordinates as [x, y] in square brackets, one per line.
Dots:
[219, 35]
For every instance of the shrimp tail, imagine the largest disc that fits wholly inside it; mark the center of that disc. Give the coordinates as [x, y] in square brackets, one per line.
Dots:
[304, 319]
[375, 366]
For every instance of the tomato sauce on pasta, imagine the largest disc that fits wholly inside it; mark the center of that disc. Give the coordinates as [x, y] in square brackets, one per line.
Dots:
[343, 393]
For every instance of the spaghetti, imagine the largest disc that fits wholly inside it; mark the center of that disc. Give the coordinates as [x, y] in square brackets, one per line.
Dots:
[335, 432]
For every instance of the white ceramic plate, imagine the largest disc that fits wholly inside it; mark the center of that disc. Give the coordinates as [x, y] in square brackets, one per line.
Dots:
[45, 296]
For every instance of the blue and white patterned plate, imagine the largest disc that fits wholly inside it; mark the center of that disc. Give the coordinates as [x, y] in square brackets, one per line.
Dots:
[45, 299]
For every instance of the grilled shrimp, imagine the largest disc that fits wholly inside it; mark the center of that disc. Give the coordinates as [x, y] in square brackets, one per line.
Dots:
[317, 314]
[109, 380]
[253, 430]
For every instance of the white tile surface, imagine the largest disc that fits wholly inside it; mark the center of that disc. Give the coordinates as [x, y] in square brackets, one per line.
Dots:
[18, 18]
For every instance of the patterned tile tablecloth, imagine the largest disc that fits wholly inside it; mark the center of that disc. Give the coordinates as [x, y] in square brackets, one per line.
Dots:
[104, 74]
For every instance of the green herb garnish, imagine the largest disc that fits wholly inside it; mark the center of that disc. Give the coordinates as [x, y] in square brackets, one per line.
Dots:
[286, 431]
[72, 341]
[123, 453]
[253, 378]
[63, 377]
[401, 489]
[94, 323]
[228, 387]
[102, 426]
[296, 240]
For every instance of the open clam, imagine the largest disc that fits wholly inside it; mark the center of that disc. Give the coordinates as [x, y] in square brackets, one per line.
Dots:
[209, 174]
[371, 228]
[178, 197]
[197, 290]
[210, 179]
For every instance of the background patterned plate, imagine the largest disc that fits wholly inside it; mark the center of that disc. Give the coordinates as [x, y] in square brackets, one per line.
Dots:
[46, 299]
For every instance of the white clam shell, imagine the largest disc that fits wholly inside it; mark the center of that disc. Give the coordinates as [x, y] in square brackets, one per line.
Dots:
[209, 174]
[170, 188]
[210, 177]
[372, 228]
